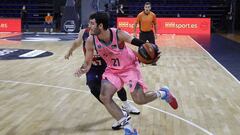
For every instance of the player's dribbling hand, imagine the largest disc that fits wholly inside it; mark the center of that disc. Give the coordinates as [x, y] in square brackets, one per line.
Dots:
[134, 35]
[158, 56]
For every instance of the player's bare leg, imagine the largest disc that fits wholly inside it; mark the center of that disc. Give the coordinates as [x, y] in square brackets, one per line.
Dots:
[107, 92]
[139, 97]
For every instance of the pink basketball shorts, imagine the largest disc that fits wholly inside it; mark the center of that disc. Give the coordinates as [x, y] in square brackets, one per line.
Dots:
[129, 76]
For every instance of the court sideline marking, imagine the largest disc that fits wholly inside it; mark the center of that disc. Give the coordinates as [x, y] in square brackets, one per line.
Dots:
[84, 91]
[215, 60]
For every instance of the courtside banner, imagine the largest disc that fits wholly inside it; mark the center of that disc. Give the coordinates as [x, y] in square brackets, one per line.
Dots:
[126, 24]
[10, 25]
[171, 25]
[184, 25]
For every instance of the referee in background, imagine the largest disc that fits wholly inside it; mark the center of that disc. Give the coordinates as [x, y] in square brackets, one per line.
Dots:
[146, 20]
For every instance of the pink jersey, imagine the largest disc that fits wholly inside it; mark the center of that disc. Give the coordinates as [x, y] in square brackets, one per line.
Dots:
[118, 57]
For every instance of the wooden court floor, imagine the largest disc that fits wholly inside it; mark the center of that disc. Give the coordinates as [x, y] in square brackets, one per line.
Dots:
[42, 97]
[234, 37]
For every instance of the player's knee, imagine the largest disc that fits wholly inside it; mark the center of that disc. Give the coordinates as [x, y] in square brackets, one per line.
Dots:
[138, 101]
[138, 98]
[104, 98]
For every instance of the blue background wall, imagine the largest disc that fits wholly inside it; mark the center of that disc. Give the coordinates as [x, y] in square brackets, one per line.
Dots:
[90, 6]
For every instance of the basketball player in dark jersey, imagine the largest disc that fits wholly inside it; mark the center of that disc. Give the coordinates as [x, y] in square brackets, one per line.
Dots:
[94, 76]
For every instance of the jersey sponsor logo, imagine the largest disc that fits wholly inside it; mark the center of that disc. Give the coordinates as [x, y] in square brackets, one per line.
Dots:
[99, 46]
[114, 46]
[130, 84]
[13, 54]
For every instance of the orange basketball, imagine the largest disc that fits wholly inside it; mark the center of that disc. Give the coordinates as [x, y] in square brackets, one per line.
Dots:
[148, 53]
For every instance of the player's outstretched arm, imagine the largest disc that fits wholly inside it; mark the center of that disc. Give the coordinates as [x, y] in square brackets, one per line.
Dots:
[77, 43]
[88, 58]
[126, 37]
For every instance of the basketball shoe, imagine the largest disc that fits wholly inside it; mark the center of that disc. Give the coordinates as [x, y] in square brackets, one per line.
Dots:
[117, 125]
[169, 98]
[128, 107]
[129, 132]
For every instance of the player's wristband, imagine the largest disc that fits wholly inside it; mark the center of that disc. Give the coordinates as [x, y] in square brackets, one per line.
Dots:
[137, 42]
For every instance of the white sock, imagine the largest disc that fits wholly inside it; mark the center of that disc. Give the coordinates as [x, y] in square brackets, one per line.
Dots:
[163, 93]
[160, 93]
[124, 113]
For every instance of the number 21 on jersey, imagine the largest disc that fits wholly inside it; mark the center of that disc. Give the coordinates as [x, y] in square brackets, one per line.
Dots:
[116, 62]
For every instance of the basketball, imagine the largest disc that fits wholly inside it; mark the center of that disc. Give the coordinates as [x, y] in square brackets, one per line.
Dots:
[148, 53]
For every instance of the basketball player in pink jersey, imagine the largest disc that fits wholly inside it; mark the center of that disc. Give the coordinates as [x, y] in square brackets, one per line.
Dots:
[122, 68]
[94, 77]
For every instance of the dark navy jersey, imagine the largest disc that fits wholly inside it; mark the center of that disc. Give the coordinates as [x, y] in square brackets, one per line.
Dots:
[98, 64]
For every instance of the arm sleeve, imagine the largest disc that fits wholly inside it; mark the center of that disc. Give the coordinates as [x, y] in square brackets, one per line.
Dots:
[137, 42]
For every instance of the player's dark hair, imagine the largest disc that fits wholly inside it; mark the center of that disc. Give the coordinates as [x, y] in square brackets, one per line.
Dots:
[101, 18]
